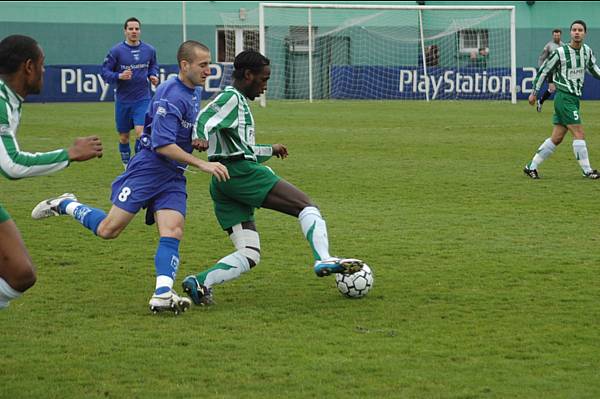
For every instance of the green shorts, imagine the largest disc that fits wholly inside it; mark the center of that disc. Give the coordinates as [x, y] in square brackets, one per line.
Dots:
[566, 109]
[236, 199]
[4, 216]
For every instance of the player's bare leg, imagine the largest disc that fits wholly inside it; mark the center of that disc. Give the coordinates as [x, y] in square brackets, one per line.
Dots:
[115, 222]
[17, 273]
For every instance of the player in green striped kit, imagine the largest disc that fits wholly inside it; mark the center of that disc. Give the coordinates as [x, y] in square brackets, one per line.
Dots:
[568, 64]
[21, 73]
[228, 125]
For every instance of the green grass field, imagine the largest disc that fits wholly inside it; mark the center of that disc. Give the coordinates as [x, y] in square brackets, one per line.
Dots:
[486, 282]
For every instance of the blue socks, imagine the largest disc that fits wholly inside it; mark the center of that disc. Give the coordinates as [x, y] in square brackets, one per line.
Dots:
[89, 217]
[125, 151]
[138, 145]
[166, 262]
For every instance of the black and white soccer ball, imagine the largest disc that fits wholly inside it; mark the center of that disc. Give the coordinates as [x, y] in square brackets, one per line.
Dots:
[355, 285]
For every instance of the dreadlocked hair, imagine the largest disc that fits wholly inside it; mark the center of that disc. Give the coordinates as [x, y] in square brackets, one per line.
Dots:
[249, 60]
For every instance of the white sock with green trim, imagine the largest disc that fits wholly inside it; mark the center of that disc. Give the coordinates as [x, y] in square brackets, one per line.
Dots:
[7, 293]
[581, 155]
[229, 268]
[546, 149]
[315, 230]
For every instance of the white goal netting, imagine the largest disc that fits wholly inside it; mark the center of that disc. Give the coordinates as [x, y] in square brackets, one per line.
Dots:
[379, 53]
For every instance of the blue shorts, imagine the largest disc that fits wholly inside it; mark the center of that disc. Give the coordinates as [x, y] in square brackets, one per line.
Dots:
[128, 115]
[149, 183]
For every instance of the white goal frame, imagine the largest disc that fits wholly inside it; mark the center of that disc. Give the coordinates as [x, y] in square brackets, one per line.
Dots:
[310, 7]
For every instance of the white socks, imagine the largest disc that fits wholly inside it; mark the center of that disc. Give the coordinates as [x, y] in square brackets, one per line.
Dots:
[581, 155]
[229, 268]
[247, 243]
[70, 208]
[7, 293]
[315, 230]
[545, 150]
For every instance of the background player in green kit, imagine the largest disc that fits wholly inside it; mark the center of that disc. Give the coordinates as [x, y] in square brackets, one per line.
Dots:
[228, 124]
[21, 73]
[568, 64]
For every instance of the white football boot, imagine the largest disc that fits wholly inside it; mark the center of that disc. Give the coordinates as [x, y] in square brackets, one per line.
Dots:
[49, 207]
[169, 301]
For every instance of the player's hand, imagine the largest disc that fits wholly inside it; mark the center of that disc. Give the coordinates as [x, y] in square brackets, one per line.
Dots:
[153, 80]
[532, 99]
[216, 169]
[200, 145]
[280, 151]
[126, 75]
[85, 148]
[551, 87]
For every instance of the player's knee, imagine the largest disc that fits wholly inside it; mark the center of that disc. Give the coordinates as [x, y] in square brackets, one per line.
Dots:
[303, 202]
[27, 279]
[299, 205]
[252, 254]
[24, 276]
[312, 210]
[124, 138]
[107, 232]
[176, 232]
[247, 242]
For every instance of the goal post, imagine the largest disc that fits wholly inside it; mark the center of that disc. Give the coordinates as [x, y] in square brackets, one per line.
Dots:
[349, 51]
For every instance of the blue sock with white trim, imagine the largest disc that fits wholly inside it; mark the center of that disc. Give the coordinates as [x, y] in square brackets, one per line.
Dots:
[125, 151]
[166, 262]
[89, 217]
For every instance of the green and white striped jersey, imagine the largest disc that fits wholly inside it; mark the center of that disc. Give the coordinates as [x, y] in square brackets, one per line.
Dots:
[568, 66]
[228, 125]
[15, 164]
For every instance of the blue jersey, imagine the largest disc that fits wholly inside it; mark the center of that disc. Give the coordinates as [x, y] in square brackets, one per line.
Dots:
[141, 60]
[170, 120]
[152, 180]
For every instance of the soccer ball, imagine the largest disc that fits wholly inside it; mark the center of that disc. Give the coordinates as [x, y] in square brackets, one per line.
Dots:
[355, 285]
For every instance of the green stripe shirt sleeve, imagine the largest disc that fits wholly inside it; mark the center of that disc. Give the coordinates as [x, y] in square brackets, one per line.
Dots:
[263, 152]
[592, 67]
[16, 164]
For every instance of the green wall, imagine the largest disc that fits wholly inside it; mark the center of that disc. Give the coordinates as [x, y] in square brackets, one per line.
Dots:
[82, 32]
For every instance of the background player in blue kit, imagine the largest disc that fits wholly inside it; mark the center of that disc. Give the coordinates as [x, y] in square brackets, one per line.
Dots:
[130, 64]
[154, 178]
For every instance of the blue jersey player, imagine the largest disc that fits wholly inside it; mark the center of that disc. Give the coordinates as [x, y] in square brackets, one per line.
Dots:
[154, 178]
[130, 64]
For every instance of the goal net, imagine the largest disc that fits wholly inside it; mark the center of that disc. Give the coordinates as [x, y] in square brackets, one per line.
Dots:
[321, 51]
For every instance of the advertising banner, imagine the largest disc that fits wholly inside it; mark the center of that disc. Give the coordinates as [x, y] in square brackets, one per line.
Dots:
[397, 82]
[72, 83]
[69, 83]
